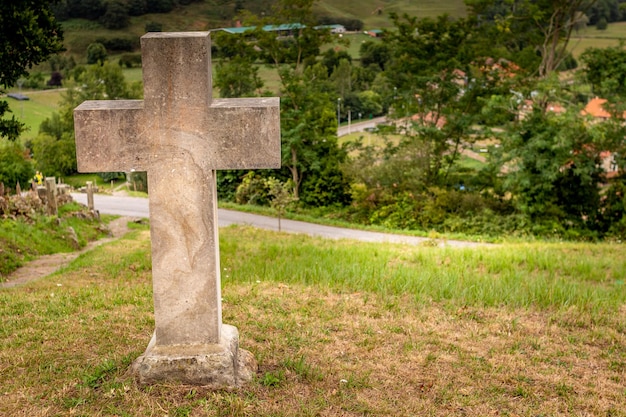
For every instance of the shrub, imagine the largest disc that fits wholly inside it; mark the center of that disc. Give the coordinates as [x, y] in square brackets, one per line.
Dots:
[130, 60]
[126, 44]
[96, 53]
[16, 166]
[154, 27]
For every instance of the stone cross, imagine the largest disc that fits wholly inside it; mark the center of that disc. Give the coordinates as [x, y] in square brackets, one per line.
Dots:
[180, 135]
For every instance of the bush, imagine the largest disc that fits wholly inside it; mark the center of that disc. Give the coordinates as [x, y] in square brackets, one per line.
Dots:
[130, 60]
[15, 165]
[154, 27]
[34, 81]
[55, 157]
[116, 15]
[96, 53]
[126, 44]
[56, 79]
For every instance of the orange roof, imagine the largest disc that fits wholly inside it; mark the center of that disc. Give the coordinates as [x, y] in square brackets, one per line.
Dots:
[595, 108]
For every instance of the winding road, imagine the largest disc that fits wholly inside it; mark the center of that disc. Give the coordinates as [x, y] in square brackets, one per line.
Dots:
[138, 207]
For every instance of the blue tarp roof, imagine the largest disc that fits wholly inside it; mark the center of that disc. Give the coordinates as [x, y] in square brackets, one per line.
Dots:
[267, 28]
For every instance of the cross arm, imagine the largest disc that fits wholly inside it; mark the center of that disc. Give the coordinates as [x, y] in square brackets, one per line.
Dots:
[245, 133]
[109, 136]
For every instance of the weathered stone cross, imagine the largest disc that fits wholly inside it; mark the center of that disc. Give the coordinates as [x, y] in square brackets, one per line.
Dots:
[180, 136]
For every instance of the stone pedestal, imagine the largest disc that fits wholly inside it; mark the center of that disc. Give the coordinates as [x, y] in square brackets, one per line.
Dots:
[218, 366]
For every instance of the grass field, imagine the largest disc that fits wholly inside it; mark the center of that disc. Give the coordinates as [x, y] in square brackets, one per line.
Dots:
[338, 328]
[593, 38]
[32, 112]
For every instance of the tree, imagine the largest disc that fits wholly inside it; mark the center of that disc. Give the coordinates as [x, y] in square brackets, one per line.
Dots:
[524, 27]
[30, 35]
[116, 15]
[304, 40]
[96, 53]
[374, 53]
[553, 159]
[238, 77]
[310, 152]
[16, 166]
[437, 90]
[604, 70]
[331, 59]
[309, 138]
[84, 9]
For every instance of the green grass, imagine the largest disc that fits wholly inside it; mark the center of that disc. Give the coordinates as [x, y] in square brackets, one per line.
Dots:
[367, 10]
[593, 38]
[544, 276]
[24, 239]
[34, 111]
[338, 328]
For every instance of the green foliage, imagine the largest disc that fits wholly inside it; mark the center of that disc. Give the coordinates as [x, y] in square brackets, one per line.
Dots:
[26, 238]
[331, 59]
[374, 53]
[153, 27]
[309, 144]
[238, 77]
[116, 15]
[130, 60]
[253, 189]
[15, 166]
[9, 128]
[117, 43]
[603, 69]
[55, 157]
[30, 34]
[554, 163]
[96, 53]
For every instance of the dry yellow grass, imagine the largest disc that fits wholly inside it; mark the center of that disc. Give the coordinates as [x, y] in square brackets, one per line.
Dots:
[66, 343]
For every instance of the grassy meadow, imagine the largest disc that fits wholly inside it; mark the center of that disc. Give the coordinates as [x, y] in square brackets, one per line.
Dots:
[339, 328]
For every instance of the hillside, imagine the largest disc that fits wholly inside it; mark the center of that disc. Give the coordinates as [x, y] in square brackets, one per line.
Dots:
[208, 14]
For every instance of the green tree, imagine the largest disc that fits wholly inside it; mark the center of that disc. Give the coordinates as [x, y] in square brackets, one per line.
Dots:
[30, 35]
[533, 33]
[310, 151]
[238, 77]
[309, 138]
[116, 15]
[331, 59]
[342, 77]
[96, 53]
[553, 160]
[304, 41]
[16, 166]
[437, 90]
[604, 70]
[374, 53]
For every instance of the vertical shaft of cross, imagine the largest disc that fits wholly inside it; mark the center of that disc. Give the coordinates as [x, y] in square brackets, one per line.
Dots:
[183, 213]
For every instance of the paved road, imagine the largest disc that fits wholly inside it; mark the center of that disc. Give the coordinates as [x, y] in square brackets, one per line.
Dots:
[360, 126]
[138, 207]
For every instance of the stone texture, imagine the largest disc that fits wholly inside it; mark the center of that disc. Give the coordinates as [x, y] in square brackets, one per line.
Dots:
[213, 365]
[180, 135]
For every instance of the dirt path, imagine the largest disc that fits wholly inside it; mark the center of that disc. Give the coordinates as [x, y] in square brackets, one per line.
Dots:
[47, 264]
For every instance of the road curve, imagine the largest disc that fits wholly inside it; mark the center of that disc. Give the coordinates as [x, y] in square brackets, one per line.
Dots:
[138, 207]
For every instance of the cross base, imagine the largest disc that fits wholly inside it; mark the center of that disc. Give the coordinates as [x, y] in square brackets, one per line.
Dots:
[217, 366]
